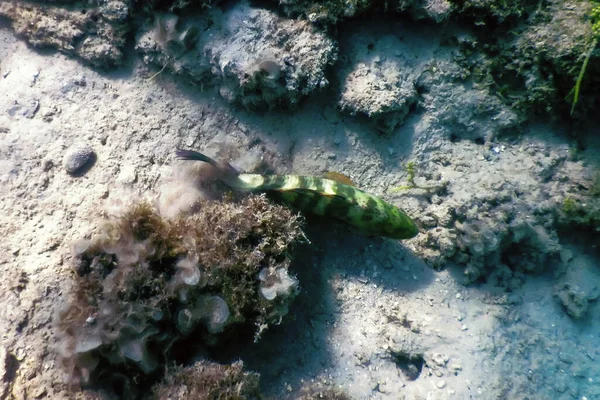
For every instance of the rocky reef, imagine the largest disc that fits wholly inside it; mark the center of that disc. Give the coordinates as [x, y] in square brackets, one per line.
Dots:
[527, 57]
[95, 33]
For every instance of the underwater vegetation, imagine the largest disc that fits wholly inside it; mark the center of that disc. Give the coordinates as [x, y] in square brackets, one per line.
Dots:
[595, 21]
[150, 292]
[206, 380]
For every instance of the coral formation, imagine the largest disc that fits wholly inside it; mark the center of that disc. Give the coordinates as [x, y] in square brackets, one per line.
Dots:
[255, 57]
[95, 32]
[146, 283]
[495, 237]
[207, 380]
[512, 247]
[378, 79]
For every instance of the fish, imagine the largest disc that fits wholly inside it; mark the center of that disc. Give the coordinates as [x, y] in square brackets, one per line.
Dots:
[319, 196]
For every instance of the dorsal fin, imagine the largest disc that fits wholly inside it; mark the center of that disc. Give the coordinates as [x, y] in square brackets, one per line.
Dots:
[340, 178]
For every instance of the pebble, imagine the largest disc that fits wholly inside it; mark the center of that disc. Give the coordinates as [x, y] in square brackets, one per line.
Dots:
[27, 110]
[20, 354]
[456, 368]
[441, 384]
[77, 156]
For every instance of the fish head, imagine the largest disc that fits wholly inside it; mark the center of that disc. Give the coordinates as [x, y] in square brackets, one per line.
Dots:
[400, 226]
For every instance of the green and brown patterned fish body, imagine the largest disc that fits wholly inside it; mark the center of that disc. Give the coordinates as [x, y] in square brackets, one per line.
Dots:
[320, 196]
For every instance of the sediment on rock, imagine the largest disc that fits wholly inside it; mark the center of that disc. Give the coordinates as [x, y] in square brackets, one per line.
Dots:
[94, 33]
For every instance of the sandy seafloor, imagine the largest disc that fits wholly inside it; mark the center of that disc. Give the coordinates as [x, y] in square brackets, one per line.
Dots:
[359, 295]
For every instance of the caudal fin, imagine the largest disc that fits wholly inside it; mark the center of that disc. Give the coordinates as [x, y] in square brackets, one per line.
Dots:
[194, 155]
[226, 173]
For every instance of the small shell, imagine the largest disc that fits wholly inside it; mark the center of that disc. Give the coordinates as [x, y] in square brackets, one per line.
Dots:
[80, 246]
[219, 315]
[477, 248]
[134, 350]
[214, 311]
[185, 321]
[188, 271]
[270, 69]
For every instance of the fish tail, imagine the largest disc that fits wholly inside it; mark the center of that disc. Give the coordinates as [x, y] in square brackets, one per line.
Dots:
[194, 155]
[226, 173]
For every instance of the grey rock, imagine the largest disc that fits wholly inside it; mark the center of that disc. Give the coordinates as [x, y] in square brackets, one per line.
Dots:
[77, 157]
[27, 110]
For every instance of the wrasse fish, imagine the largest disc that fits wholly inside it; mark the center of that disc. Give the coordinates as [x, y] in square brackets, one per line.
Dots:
[319, 196]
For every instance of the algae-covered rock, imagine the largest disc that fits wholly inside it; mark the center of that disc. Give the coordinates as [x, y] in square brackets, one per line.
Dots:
[147, 283]
[326, 12]
[533, 64]
[330, 12]
[494, 10]
[579, 209]
[316, 390]
[255, 57]
[94, 32]
[176, 5]
[549, 56]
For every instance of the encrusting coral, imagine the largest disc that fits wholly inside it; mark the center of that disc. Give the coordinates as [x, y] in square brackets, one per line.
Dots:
[148, 283]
